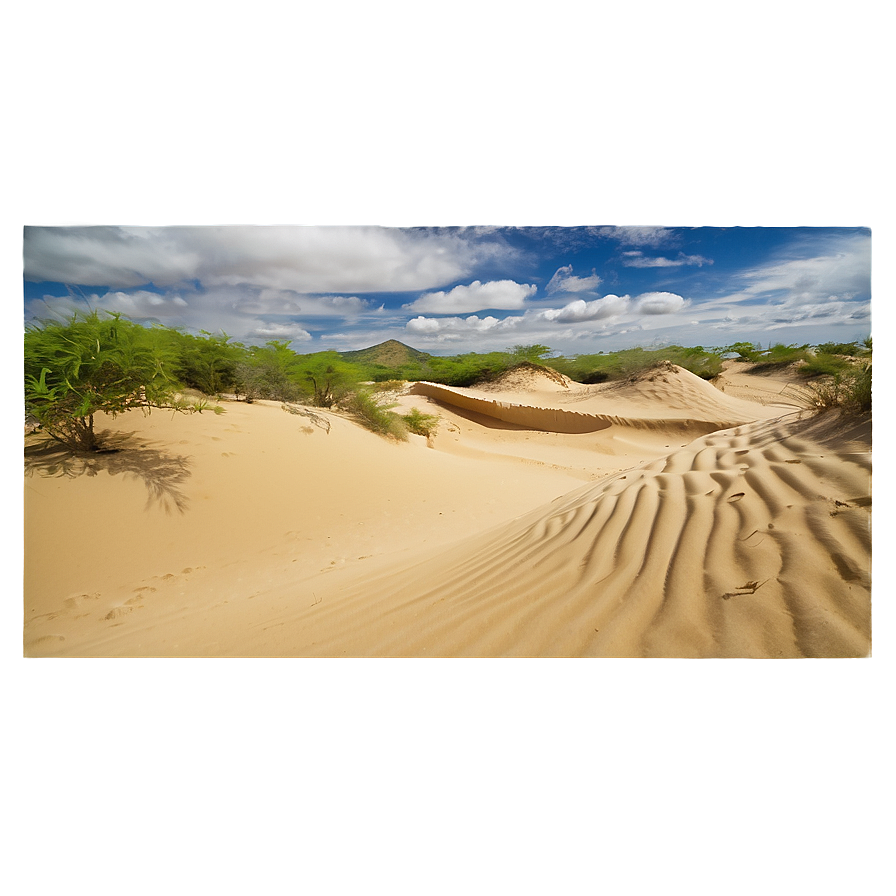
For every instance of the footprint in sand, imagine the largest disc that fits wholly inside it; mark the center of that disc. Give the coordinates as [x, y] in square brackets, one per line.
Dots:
[117, 612]
[72, 603]
[45, 639]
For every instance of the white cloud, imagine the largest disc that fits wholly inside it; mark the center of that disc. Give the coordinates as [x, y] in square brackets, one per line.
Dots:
[301, 259]
[503, 295]
[544, 320]
[810, 271]
[280, 332]
[579, 310]
[831, 313]
[660, 303]
[637, 259]
[278, 301]
[564, 281]
[108, 256]
[640, 236]
[472, 324]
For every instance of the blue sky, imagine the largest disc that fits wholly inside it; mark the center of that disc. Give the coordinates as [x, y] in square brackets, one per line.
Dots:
[450, 290]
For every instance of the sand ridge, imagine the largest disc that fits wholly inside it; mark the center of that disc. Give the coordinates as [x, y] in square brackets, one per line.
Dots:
[260, 533]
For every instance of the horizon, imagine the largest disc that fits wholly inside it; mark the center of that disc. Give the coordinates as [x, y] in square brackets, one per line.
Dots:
[453, 290]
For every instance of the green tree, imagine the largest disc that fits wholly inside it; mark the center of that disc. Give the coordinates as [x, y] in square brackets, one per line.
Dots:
[534, 353]
[270, 371]
[328, 377]
[93, 364]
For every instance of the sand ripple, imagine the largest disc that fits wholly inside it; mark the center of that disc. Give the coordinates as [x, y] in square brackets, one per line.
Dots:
[750, 542]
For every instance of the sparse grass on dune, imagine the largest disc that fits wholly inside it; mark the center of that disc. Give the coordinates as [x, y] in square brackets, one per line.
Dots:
[850, 390]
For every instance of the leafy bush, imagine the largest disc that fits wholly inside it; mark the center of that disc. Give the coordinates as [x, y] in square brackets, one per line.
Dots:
[96, 364]
[421, 424]
[269, 372]
[378, 418]
[207, 363]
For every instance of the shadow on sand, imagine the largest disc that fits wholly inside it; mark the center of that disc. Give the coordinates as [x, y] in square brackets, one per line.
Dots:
[161, 472]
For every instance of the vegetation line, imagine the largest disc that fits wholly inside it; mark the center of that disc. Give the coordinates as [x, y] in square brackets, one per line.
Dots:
[103, 362]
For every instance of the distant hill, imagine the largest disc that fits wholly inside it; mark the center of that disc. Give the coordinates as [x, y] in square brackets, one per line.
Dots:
[389, 354]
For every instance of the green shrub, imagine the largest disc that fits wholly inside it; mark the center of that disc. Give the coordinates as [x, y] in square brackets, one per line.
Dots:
[850, 390]
[421, 424]
[746, 351]
[376, 417]
[270, 372]
[599, 368]
[780, 355]
[207, 363]
[824, 365]
[838, 348]
[93, 364]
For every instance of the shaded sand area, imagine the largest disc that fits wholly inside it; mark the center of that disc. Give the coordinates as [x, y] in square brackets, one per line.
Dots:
[662, 516]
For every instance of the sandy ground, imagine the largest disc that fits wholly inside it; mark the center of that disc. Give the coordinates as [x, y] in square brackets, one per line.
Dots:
[667, 517]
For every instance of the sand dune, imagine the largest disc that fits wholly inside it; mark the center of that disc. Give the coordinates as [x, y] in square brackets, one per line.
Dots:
[753, 542]
[259, 533]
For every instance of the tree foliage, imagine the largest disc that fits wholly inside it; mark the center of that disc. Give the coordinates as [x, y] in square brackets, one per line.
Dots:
[94, 363]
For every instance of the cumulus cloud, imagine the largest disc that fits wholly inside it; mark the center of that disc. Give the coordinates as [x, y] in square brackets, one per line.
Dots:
[503, 295]
[580, 310]
[637, 259]
[472, 324]
[564, 281]
[660, 303]
[574, 312]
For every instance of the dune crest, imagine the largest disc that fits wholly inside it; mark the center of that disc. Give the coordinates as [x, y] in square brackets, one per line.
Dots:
[668, 398]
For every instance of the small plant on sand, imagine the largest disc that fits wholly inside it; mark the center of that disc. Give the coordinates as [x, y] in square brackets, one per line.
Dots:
[376, 417]
[850, 390]
[421, 424]
[93, 364]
